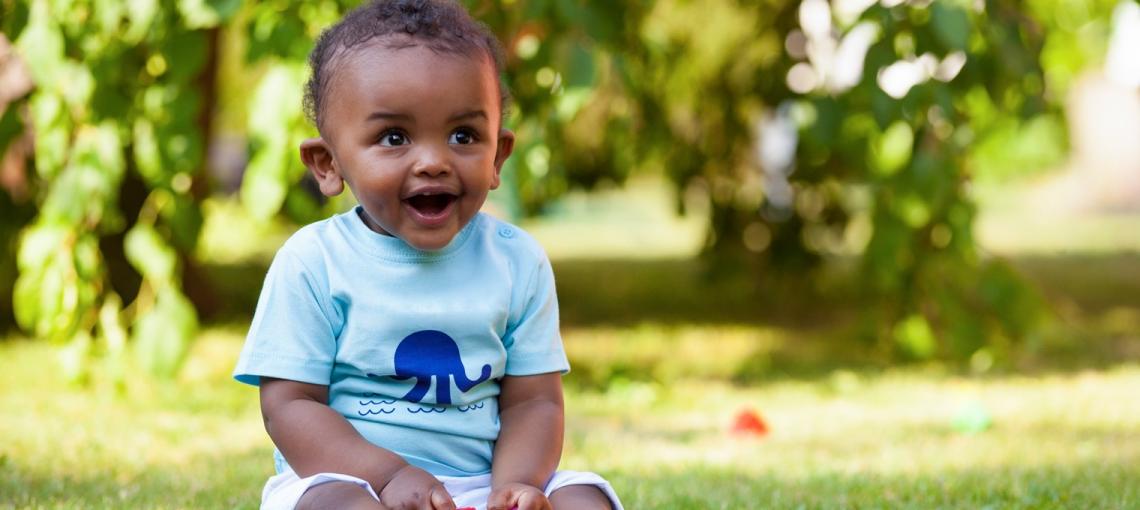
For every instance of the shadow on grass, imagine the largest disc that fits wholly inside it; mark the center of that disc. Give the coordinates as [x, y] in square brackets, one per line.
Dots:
[1093, 282]
[627, 291]
[1097, 296]
[622, 292]
[670, 291]
[686, 291]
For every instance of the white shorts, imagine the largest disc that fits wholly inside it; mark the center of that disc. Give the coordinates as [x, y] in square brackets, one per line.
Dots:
[283, 491]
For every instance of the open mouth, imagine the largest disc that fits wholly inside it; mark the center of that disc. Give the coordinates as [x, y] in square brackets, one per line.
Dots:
[431, 204]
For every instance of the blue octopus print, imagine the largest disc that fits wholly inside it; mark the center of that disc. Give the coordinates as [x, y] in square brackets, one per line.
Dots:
[428, 354]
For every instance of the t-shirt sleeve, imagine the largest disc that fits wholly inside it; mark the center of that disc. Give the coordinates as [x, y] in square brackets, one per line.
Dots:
[533, 342]
[292, 335]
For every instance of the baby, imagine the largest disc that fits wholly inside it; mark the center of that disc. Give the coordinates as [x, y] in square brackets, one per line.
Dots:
[407, 352]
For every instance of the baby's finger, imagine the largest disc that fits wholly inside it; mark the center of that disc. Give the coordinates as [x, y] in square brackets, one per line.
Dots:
[501, 500]
[533, 501]
[440, 500]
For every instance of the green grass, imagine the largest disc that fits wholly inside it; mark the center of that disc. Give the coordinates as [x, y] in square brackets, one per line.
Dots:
[873, 439]
[191, 443]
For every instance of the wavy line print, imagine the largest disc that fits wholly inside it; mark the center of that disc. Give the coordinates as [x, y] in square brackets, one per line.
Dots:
[367, 412]
[376, 402]
[414, 410]
[464, 409]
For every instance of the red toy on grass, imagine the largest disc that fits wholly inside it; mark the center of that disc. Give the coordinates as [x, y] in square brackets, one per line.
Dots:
[749, 422]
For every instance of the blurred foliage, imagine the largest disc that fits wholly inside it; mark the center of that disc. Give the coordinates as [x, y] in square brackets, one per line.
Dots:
[811, 130]
[117, 116]
[790, 120]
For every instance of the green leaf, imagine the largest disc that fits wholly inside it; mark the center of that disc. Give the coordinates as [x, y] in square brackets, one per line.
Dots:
[61, 204]
[73, 358]
[147, 156]
[892, 150]
[80, 86]
[301, 207]
[951, 25]
[39, 244]
[914, 335]
[48, 295]
[26, 298]
[184, 219]
[571, 100]
[114, 337]
[275, 114]
[154, 100]
[181, 150]
[109, 15]
[276, 104]
[162, 335]
[41, 44]
[263, 189]
[150, 255]
[101, 147]
[913, 210]
[53, 133]
[141, 14]
[72, 18]
[111, 325]
[93, 173]
[273, 35]
[1014, 149]
[200, 14]
[50, 303]
[88, 260]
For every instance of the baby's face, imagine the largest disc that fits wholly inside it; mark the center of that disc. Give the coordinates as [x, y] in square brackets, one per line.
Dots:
[416, 136]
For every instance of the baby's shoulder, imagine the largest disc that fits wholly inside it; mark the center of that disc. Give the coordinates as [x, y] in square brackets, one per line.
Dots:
[510, 239]
[309, 244]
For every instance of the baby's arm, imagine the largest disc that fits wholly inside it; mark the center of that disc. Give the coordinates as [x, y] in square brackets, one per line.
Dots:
[530, 441]
[316, 439]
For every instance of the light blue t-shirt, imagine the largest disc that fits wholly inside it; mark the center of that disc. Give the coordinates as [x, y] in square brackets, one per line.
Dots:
[411, 344]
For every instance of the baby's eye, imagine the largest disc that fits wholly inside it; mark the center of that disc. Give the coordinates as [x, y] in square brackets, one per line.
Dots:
[393, 138]
[462, 137]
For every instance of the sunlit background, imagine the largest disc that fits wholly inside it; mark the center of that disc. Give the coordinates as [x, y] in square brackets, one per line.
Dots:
[809, 254]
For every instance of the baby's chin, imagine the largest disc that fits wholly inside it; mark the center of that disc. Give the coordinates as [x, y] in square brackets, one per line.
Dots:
[428, 246]
[430, 241]
[418, 237]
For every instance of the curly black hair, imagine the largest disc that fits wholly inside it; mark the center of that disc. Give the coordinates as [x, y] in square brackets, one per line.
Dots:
[442, 25]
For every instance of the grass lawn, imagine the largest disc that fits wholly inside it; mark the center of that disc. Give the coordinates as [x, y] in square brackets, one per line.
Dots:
[847, 439]
[664, 361]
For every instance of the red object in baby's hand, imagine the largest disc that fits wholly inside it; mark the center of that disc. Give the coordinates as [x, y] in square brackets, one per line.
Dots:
[466, 508]
[749, 422]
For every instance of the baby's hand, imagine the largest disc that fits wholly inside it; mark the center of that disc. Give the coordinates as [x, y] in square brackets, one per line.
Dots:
[412, 488]
[517, 495]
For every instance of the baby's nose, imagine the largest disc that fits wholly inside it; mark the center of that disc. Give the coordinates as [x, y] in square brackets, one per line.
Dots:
[432, 162]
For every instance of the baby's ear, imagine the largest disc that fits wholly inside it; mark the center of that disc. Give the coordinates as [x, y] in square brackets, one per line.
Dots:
[502, 152]
[318, 157]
